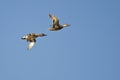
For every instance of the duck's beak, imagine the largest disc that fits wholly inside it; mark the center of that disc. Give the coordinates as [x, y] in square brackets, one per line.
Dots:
[22, 38]
[69, 25]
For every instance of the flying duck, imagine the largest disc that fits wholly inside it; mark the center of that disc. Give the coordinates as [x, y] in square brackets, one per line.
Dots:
[31, 38]
[56, 26]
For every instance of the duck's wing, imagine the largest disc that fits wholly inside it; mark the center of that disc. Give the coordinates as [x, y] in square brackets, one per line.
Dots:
[55, 20]
[31, 44]
[40, 35]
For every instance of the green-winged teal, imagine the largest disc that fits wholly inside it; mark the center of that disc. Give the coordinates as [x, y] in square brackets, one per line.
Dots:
[31, 38]
[56, 26]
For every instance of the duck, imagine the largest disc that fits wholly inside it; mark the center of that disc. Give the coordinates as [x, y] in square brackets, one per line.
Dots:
[56, 26]
[31, 38]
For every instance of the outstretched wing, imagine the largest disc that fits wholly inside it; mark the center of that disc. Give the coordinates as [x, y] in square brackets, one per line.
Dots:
[41, 35]
[31, 44]
[55, 20]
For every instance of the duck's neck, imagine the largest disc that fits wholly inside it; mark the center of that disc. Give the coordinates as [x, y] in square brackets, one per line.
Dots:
[65, 25]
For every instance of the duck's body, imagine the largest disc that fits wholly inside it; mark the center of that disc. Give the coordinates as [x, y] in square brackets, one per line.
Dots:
[56, 26]
[31, 38]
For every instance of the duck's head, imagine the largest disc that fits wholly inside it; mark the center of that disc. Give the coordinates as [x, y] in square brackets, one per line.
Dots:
[24, 37]
[65, 25]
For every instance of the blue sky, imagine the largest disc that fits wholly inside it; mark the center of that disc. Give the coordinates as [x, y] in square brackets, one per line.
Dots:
[87, 50]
